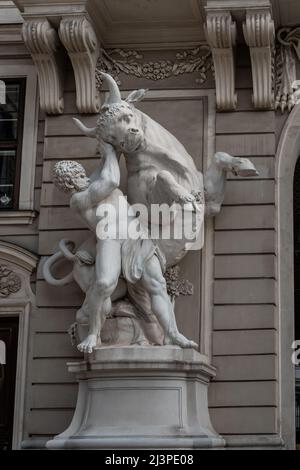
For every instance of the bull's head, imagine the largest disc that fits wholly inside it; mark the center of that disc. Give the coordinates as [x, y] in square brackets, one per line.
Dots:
[118, 124]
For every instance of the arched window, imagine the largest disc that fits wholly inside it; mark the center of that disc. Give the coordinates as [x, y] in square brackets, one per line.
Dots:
[297, 248]
[288, 245]
[16, 306]
[9, 326]
[297, 283]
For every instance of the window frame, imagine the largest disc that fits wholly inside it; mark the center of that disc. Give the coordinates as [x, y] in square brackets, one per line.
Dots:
[25, 213]
[22, 305]
[18, 142]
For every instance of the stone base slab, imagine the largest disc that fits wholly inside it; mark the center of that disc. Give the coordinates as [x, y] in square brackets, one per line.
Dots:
[141, 397]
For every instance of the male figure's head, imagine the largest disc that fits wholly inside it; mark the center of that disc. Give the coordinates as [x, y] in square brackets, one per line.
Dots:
[70, 176]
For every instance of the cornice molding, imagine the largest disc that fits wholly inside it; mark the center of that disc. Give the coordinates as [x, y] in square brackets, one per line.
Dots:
[259, 33]
[20, 217]
[43, 43]
[80, 40]
[9, 14]
[221, 35]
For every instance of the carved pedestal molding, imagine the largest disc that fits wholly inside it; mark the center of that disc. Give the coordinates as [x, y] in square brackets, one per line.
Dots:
[259, 33]
[79, 38]
[141, 398]
[221, 34]
[43, 43]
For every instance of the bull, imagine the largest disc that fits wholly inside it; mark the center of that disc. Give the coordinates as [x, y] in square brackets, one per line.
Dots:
[160, 170]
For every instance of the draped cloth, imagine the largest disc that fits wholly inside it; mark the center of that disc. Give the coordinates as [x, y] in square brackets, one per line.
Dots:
[135, 254]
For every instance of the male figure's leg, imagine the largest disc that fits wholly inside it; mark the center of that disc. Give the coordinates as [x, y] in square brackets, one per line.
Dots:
[154, 283]
[107, 272]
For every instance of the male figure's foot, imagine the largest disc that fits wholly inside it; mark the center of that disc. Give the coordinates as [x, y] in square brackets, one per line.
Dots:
[179, 340]
[88, 344]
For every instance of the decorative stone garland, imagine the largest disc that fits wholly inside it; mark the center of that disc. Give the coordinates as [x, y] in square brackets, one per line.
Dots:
[119, 61]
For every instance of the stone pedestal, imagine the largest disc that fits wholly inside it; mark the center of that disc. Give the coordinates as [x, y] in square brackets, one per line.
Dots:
[141, 397]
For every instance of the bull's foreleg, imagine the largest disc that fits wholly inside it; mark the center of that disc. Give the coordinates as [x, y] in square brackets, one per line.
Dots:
[215, 178]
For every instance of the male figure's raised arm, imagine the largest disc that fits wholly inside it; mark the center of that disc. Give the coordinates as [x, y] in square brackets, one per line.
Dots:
[109, 178]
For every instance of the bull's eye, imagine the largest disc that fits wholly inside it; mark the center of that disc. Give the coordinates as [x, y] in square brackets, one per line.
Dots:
[127, 118]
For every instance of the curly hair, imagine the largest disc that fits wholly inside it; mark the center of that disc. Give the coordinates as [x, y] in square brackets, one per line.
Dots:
[65, 170]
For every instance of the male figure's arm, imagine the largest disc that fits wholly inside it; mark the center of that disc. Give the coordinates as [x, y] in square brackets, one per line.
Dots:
[109, 178]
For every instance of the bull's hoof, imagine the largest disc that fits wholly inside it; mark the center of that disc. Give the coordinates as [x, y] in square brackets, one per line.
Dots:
[244, 167]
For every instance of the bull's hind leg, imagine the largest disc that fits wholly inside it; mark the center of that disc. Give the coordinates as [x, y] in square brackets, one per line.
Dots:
[215, 178]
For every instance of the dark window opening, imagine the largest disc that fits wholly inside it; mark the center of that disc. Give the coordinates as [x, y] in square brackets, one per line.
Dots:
[9, 336]
[298, 416]
[11, 135]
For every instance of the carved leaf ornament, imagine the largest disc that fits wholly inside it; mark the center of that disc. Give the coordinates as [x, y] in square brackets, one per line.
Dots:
[10, 282]
[118, 61]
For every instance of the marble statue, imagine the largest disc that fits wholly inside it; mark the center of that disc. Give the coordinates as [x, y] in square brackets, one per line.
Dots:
[138, 260]
[159, 171]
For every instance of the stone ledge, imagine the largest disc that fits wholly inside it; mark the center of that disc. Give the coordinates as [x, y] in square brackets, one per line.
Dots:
[147, 358]
[17, 217]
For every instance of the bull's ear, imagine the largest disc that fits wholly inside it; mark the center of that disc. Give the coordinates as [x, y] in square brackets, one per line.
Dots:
[136, 95]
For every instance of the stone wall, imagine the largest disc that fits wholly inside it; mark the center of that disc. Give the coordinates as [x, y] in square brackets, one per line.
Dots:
[244, 396]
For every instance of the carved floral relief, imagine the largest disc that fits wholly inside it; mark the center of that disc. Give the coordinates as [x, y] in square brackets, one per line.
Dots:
[132, 63]
[10, 282]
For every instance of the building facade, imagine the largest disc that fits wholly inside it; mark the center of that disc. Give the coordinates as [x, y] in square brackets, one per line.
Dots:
[222, 76]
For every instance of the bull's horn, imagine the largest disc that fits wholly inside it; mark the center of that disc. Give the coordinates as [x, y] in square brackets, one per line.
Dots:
[114, 92]
[88, 131]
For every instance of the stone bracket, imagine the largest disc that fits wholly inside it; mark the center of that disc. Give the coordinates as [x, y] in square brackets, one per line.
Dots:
[82, 45]
[43, 43]
[221, 35]
[259, 33]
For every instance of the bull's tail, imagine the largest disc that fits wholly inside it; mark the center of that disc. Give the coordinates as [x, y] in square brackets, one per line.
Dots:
[63, 252]
[63, 246]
